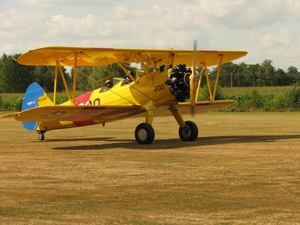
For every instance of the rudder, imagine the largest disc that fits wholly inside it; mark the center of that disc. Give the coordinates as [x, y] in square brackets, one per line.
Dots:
[34, 97]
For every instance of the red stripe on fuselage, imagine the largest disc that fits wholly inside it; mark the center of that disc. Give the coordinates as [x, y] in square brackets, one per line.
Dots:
[83, 99]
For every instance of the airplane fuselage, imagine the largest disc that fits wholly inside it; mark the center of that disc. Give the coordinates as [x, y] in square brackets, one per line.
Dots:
[150, 91]
[142, 92]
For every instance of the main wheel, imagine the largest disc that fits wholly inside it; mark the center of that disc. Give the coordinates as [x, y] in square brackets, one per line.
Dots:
[189, 132]
[144, 134]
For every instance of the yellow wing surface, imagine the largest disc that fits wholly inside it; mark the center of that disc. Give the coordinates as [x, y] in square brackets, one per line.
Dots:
[75, 113]
[103, 114]
[87, 56]
[200, 107]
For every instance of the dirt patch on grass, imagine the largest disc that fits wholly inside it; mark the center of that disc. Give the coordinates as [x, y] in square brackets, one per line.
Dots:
[243, 168]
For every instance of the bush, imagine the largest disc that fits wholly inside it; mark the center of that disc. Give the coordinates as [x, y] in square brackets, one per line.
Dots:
[61, 99]
[261, 101]
[292, 98]
[243, 102]
[266, 102]
[13, 104]
[205, 93]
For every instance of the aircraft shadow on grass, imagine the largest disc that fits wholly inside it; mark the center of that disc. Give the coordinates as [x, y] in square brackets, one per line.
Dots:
[112, 143]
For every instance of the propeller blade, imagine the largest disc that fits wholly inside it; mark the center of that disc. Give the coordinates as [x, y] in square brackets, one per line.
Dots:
[193, 81]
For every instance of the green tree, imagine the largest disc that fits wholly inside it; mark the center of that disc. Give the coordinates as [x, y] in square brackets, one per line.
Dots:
[266, 76]
[230, 74]
[293, 75]
[83, 77]
[44, 75]
[281, 78]
[250, 74]
[15, 78]
[90, 78]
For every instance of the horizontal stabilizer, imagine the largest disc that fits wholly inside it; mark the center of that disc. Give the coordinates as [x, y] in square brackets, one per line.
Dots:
[11, 115]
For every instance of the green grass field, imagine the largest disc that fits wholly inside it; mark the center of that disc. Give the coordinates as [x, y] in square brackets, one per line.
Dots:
[243, 169]
[249, 90]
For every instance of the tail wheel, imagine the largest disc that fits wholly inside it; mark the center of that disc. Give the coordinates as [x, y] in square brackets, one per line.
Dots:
[41, 136]
[189, 132]
[144, 134]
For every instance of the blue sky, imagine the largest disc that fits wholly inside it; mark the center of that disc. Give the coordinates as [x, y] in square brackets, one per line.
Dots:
[267, 29]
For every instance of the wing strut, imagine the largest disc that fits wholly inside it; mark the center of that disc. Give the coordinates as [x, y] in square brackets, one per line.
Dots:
[74, 78]
[212, 93]
[208, 83]
[146, 71]
[199, 82]
[126, 71]
[193, 81]
[55, 84]
[218, 77]
[64, 79]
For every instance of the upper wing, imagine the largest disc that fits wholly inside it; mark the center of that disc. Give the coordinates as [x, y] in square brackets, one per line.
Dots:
[76, 113]
[49, 56]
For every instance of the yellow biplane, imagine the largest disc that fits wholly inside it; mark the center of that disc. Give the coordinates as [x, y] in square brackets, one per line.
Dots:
[162, 91]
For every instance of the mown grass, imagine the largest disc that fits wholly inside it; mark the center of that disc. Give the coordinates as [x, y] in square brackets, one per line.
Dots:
[243, 168]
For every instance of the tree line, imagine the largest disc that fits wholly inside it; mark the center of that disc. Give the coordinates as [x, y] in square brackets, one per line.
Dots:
[256, 75]
[15, 78]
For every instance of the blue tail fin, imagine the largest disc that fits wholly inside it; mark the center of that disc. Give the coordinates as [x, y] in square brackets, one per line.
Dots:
[31, 100]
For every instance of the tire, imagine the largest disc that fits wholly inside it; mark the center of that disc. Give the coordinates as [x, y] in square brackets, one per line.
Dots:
[189, 132]
[144, 134]
[41, 136]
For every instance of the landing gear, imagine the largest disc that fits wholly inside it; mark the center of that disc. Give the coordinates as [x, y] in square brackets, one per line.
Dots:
[144, 134]
[189, 132]
[41, 135]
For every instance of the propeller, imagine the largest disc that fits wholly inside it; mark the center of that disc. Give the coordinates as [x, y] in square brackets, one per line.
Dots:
[193, 81]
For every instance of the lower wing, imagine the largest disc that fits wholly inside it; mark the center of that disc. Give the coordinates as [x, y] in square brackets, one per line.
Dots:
[200, 107]
[205, 106]
[103, 114]
[76, 113]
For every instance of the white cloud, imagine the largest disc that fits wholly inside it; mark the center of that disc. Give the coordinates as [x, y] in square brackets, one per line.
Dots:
[244, 14]
[266, 28]
[284, 38]
[12, 48]
[20, 24]
[15, 18]
[76, 3]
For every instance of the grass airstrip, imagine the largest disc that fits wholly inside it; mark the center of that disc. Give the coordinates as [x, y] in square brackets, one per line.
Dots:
[244, 168]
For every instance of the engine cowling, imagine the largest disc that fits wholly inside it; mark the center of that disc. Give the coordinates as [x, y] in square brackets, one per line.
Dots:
[178, 82]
